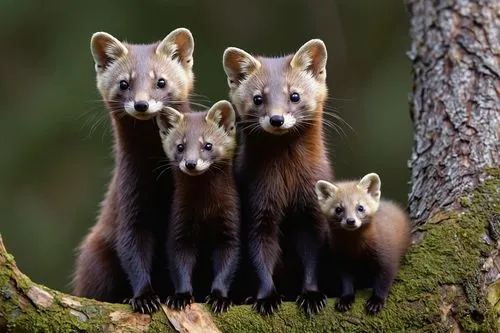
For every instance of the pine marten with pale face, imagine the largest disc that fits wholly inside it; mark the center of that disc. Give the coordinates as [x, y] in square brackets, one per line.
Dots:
[369, 237]
[205, 219]
[280, 103]
[123, 255]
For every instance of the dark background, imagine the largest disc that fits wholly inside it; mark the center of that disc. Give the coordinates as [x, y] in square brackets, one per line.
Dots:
[55, 134]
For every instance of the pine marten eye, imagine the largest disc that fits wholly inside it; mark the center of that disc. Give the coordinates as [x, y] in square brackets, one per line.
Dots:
[295, 97]
[180, 148]
[124, 85]
[339, 210]
[257, 100]
[208, 146]
[360, 209]
[161, 83]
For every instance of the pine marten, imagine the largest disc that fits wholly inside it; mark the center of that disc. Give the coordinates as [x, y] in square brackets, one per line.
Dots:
[280, 102]
[369, 237]
[200, 147]
[123, 257]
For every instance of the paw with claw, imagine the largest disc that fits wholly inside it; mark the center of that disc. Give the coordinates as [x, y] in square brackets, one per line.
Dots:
[267, 305]
[145, 304]
[311, 302]
[217, 302]
[179, 301]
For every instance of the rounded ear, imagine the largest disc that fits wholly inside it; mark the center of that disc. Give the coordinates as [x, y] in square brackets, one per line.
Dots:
[105, 49]
[222, 113]
[371, 184]
[167, 118]
[238, 64]
[325, 190]
[311, 57]
[179, 44]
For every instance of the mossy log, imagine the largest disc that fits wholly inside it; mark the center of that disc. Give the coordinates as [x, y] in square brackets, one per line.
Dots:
[448, 283]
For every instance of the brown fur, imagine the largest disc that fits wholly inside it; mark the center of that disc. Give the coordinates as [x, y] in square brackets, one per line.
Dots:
[374, 246]
[123, 255]
[277, 170]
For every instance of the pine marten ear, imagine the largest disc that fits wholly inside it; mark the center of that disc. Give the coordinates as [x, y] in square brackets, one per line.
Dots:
[178, 45]
[105, 49]
[371, 185]
[222, 114]
[311, 57]
[325, 190]
[238, 65]
[168, 118]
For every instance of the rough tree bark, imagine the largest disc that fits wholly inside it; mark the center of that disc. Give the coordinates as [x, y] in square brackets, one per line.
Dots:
[449, 281]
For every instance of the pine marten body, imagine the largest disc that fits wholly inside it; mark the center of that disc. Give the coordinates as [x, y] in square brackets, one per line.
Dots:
[123, 256]
[369, 237]
[205, 220]
[280, 103]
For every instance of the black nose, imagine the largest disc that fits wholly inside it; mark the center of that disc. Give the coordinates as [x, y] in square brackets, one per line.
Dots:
[141, 106]
[350, 221]
[276, 121]
[190, 165]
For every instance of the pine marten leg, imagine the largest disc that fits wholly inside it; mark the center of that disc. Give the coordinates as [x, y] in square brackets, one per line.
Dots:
[311, 300]
[182, 256]
[135, 250]
[381, 285]
[225, 263]
[264, 250]
[346, 298]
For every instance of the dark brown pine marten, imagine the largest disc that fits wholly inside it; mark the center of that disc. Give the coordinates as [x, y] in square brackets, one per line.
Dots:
[280, 102]
[123, 256]
[369, 237]
[205, 222]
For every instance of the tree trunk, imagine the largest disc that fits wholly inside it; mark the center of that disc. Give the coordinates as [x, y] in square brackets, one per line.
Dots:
[449, 281]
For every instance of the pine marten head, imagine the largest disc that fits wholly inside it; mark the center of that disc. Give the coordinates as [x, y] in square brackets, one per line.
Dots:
[142, 79]
[279, 95]
[350, 205]
[195, 141]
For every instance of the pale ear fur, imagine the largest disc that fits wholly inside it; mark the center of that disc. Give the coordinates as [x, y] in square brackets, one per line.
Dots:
[238, 64]
[325, 190]
[168, 118]
[105, 49]
[179, 44]
[222, 114]
[311, 57]
[371, 184]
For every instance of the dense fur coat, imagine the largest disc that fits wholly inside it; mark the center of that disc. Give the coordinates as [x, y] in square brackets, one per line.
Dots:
[369, 238]
[123, 255]
[280, 103]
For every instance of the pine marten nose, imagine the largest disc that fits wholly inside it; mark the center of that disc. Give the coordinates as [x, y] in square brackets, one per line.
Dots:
[141, 106]
[190, 165]
[350, 221]
[276, 121]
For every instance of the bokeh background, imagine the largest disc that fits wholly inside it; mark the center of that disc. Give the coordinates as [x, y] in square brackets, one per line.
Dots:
[55, 139]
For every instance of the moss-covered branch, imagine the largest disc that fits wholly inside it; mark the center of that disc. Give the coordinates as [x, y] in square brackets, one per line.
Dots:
[449, 281]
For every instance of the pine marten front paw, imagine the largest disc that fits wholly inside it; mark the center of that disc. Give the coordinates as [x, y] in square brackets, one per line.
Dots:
[344, 303]
[267, 305]
[217, 302]
[145, 304]
[179, 301]
[374, 304]
[311, 302]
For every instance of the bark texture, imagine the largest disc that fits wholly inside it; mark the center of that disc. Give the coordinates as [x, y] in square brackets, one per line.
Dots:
[455, 105]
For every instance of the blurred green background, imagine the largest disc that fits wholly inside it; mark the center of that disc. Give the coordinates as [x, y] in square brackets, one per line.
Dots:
[55, 135]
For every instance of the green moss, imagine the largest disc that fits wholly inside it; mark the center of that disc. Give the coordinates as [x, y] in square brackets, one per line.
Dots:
[449, 255]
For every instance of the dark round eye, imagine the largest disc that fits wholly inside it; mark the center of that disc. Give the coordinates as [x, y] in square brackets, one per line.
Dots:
[161, 83]
[339, 210]
[295, 97]
[360, 208]
[208, 146]
[257, 100]
[180, 148]
[123, 85]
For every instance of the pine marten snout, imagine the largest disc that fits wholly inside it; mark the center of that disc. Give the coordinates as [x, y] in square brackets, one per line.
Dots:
[369, 237]
[141, 79]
